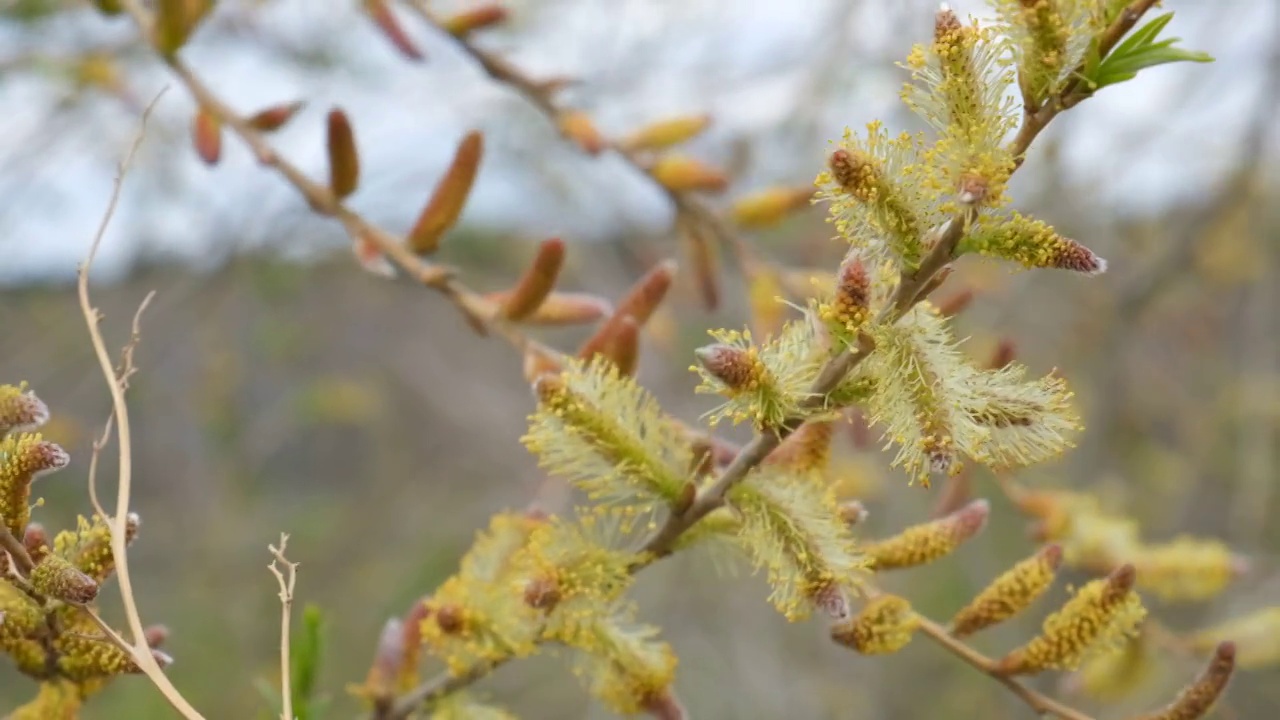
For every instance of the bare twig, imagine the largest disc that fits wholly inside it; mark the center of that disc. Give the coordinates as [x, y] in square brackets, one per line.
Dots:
[438, 687]
[17, 551]
[1042, 704]
[288, 577]
[124, 371]
[541, 96]
[138, 649]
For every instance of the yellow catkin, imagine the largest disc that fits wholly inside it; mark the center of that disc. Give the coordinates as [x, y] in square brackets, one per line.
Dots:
[88, 547]
[1186, 569]
[1108, 678]
[1033, 244]
[1197, 699]
[770, 206]
[666, 133]
[850, 305]
[59, 579]
[1096, 620]
[56, 700]
[20, 409]
[1009, 594]
[1256, 637]
[885, 625]
[926, 542]
[22, 459]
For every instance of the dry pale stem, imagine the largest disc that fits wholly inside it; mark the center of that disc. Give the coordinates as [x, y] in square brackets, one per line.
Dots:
[287, 578]
[124, 371]
[138, 649]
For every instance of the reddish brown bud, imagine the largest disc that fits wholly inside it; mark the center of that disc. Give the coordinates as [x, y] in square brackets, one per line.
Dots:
[417, 613]
[36, 540]
[1078, 258]
[155, 635]
[853, 286]
[542, 593]
[733, 366]
[344, 160]
[477, 18]
[853, 512]
[59, 579]
[622, 346]
[561, 308]
[537, 282]
[206, 135]
[20, 409]
[385, 19]
[274, 117]
[387, 656]
[833, 601]
[449, 197]
[856, 174]
[451, 619]
[945, 22]
[637, 306]
[538, 362]
[647, 293]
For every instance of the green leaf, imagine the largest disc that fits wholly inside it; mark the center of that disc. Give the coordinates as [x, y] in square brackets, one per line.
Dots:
[307, 651]
[1138, 51]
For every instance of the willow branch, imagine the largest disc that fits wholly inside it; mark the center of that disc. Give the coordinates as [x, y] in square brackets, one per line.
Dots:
[1076, 90]
[1042, 704]
[438, 687]
[17, 551]
[541, 96]
[913, 287]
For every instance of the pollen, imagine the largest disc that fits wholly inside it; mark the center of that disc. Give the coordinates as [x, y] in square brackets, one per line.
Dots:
[885, 625]
[22, 459]
[1103, 615]
[1009, 594]
[924, 543]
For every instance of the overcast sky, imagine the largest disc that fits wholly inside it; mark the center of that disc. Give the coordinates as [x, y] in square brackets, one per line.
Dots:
[787, 76]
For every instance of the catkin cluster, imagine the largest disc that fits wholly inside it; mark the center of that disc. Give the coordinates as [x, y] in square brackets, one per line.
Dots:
[48, 585]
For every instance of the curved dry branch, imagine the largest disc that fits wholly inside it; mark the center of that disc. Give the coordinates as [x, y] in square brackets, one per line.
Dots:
[137, 649]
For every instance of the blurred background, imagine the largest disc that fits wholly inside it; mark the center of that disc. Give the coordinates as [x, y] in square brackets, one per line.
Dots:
[283, 389]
